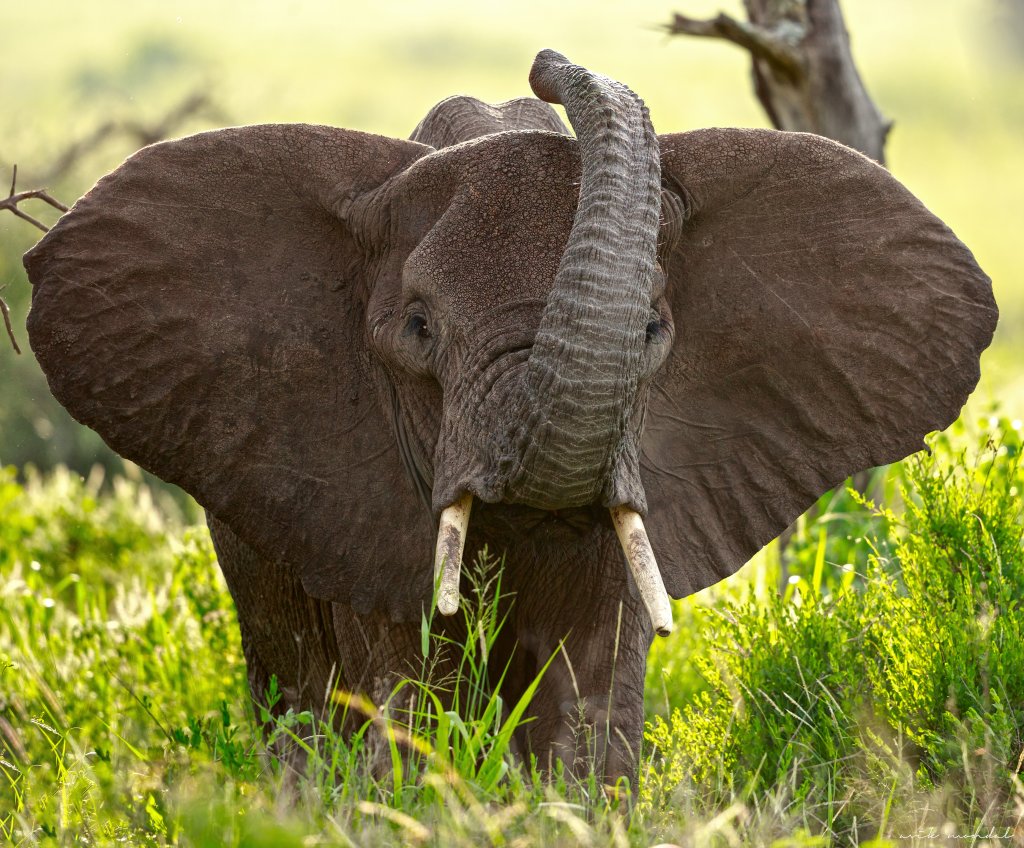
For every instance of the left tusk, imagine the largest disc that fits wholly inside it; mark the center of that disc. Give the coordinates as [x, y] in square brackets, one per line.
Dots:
[640, 557]
[451, 539]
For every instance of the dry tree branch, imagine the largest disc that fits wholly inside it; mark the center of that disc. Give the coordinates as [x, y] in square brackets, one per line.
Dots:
[196, 103]
[15, 197]
[11, 202]
[757, 40]
[193, 105]
[5, 309]
[144, 134]
[74, 151]
[804, 73]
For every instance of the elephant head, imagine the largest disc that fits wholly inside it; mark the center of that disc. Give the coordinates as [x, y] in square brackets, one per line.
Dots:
[335, 340]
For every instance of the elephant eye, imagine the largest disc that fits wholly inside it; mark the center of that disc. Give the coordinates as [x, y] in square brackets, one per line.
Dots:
[417, 326]
[656, 330]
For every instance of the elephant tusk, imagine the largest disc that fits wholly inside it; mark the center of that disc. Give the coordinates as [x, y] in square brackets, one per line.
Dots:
[451, 538]
[640, 557]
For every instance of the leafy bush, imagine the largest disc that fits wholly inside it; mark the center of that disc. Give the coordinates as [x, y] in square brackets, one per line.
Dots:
[867, 703]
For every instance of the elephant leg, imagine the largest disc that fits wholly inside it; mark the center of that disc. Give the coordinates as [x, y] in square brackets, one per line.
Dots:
[285, 633]
[374, 653]
[588, 711]
[377, 656]
[589, 706]
[318, 649]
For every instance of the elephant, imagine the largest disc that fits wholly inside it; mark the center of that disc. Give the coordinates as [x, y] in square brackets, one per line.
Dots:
[622, 361]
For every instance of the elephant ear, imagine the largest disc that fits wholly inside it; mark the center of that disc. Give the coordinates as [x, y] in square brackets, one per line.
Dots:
[825, 321]
[200, 308]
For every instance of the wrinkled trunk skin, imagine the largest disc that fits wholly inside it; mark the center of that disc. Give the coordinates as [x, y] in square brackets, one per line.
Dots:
[588, 709]
[581, 380]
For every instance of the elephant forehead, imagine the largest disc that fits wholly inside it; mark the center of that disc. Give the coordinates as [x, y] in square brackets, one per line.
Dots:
[501, 237]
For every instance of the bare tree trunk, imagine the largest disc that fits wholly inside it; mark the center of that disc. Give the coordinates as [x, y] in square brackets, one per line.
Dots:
[804, 74]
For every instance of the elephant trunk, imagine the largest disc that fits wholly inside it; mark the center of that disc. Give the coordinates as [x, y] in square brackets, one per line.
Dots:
[582, 374]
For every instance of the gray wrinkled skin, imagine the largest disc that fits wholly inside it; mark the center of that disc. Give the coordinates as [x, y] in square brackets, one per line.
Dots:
[326, 337]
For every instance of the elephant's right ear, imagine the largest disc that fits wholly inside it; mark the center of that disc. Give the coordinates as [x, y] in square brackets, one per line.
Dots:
[200, 308]
[825, 321]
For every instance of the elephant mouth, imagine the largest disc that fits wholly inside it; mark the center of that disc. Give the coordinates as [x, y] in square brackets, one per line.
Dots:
[629, 527]
[576, 520]
[518, 521]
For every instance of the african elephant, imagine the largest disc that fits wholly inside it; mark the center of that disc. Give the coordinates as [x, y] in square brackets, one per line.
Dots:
[340, 343]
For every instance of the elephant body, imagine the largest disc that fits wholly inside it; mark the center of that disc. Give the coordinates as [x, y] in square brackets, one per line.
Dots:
[562, 588]
[624, 361]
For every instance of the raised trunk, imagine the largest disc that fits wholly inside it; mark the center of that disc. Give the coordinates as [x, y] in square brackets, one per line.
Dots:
[582, 373]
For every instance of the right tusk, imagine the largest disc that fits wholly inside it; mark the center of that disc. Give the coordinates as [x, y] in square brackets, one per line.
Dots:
[640, 557]
[451, 539]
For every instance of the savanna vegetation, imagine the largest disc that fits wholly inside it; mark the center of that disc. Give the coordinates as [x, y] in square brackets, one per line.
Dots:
[869, 692]
[865, 688]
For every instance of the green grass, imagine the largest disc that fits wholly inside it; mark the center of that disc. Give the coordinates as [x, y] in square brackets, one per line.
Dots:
[867, 686]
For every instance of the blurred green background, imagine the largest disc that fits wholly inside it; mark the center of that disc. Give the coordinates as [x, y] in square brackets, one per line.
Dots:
[951, 75]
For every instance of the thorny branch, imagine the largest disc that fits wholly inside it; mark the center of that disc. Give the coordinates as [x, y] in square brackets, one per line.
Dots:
[15, 197]
[11, 202]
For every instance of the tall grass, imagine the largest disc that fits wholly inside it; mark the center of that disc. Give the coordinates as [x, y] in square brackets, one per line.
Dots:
[866, 686]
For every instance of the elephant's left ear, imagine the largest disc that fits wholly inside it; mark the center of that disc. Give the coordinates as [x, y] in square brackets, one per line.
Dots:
[200, 308]
[825, 321]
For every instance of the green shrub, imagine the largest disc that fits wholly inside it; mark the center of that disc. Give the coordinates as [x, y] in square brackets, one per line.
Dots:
[863, 704]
